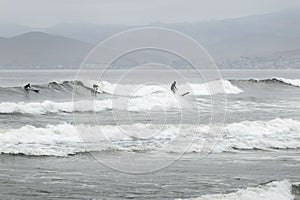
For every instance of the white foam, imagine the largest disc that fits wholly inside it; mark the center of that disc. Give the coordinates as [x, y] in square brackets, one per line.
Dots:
[277, 133]
[210, 88]
[61, 140]
[54, 107]
[65, 139]
[294, 82]
[146, 103]
[215, 87]
[58, 140]
[157, 102]
[276, 190]
[133, 90]
[246, 135]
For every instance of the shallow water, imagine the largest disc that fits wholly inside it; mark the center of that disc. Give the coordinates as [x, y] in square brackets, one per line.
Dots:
[81, 177]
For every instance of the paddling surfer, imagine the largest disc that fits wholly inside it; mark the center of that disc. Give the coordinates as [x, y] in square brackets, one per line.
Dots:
[27, 87]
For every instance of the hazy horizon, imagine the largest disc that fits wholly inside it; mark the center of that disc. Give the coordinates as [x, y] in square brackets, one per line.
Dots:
[270, 26]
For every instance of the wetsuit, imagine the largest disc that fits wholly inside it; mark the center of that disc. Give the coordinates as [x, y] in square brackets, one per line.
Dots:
[95, 88]
[26, 87]
[173, 87]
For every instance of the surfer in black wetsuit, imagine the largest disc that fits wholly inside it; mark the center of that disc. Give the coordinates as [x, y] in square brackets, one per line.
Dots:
[95, 88]
[26, 87]
[173, 87]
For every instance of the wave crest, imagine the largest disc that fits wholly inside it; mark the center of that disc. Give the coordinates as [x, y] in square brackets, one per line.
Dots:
[274, 80]
[62, 140]
[276, 190]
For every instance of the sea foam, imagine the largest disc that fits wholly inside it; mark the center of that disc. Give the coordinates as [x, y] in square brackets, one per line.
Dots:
[276, 190]
[66, 139]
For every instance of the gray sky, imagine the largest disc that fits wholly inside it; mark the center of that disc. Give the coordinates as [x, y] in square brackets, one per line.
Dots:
[43, 13]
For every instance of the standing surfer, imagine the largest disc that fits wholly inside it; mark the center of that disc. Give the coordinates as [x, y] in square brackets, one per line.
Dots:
[173, 87]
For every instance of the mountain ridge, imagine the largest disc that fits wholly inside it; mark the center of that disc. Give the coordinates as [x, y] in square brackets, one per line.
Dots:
[257, 36]
[42, 49]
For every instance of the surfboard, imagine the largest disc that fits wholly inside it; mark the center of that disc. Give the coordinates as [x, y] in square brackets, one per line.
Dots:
[185, 93]
[34, 90]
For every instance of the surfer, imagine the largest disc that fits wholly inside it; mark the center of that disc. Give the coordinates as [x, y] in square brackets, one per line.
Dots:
[95, 88]
[27, 87]
[173, 87]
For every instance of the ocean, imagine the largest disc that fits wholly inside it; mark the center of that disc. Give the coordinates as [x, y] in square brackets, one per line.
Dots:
[135, 139]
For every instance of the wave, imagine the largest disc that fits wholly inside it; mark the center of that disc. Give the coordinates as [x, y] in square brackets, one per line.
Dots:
[64, 139]
[293, 82]
[215, 87]
[140, 90]
[274, 80]
[155, 102]
[127, 97]
[85, 87]
[54, 107]
[250, 135]
[274, 190]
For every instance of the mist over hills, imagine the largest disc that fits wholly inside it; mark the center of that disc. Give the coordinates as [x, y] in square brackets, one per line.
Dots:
[41, 50]
[269, 40]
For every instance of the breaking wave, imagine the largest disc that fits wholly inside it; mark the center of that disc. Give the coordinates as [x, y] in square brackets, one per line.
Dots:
[64, 139]
[139, 90]
[85, 87]
[126, 97]
[274, 80]
[155, 102]
[293, 82]
[275, 190]
[54, 107]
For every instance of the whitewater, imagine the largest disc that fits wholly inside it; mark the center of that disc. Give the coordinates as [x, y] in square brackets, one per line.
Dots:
[68, 141]
[277, 190]
[124, 97]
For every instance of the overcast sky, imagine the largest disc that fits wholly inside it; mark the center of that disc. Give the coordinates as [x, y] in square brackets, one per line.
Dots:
[43, 13]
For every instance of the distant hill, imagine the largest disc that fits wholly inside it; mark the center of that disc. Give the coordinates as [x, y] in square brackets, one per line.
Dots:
[91, 33]
[245, 36]
[41, 49]
[253, 45]
[10, 30]
[255, 40]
